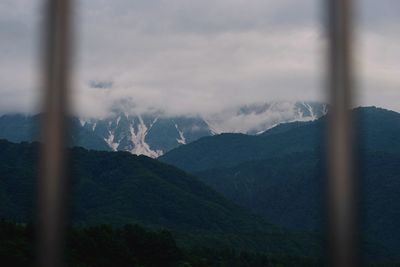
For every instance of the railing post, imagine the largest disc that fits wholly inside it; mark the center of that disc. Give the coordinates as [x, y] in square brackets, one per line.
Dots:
[52, 172]
[342, 211]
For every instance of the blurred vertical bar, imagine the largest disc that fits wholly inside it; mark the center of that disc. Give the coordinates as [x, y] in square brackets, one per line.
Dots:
[342, 213]
[52, 176]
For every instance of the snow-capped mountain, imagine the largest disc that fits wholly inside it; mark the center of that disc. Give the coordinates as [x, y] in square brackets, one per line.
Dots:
[156, 133]
[153, 135]
[257, 118]
[150, 135]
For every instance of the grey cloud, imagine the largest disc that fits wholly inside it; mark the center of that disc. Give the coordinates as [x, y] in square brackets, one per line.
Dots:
[378, 15]
[195, 56]
[207, 16]
[200, 56]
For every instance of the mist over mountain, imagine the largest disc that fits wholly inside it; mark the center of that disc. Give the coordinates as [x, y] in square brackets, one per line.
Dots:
[154, 133]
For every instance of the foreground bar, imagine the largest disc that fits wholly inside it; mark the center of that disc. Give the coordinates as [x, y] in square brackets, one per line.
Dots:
[52, 173]
[342, 213]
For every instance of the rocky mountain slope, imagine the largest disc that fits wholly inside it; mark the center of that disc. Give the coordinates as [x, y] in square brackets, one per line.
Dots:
[154, 134]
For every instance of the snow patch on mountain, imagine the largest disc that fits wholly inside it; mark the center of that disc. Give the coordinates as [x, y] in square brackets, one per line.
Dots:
[152, 123]
[82, 122]
[140, 147]
[310, 110]
[110, 141]
[181, 140]
[257, 118]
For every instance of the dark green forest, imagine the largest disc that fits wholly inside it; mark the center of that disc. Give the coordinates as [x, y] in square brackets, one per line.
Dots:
[119, 188]
[129, 245]
[239, 200]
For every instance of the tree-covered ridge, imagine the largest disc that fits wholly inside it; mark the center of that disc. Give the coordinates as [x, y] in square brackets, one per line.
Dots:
[228, 150]
[282, 185]
[119, 188]
[376, 129]
[280, 174]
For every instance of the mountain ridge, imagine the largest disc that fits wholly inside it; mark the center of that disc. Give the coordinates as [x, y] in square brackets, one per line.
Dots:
[154, 134]
[120, 188]
[286, 185]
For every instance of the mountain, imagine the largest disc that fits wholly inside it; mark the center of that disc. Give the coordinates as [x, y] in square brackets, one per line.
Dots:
[119, 188]
[258, 117]
[154, 134]
[150, 135]
[377, 130]
[25, 128]
[227, 150]
[280, 174]
[285, 190]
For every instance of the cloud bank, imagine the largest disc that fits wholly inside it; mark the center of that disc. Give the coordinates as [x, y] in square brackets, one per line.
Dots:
[196, 57]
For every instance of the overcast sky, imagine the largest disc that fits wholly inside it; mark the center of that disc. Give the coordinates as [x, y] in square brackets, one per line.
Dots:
[197, 56]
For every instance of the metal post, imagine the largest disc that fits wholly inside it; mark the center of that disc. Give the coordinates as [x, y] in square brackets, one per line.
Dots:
[52, 176]
[342, 238]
